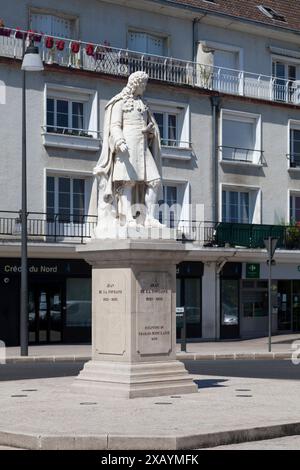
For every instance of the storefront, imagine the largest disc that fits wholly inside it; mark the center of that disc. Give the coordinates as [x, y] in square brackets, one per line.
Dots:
[59, 301]
[244, 299]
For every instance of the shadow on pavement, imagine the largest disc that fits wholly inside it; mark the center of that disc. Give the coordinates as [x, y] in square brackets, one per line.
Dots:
[210, 383]
[39, 370]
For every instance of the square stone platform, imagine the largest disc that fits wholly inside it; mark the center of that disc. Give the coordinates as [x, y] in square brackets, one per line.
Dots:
[134, 319]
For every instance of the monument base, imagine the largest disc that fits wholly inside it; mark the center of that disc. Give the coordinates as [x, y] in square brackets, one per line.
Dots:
[136, 380]
[134, 319]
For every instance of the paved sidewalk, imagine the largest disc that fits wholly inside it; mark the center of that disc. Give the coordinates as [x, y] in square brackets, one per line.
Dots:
[242, 349]
[54, 414]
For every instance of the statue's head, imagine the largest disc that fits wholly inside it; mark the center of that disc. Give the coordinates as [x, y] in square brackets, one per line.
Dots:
[137, 83]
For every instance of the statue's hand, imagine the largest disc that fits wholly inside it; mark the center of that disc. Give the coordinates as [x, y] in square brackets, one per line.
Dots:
[97, 171]
[123, 147]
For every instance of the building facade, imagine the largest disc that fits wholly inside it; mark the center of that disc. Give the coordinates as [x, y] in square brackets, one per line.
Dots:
[224, 87]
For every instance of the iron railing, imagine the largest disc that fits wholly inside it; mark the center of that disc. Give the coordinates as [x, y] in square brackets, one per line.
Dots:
[121, 62]
[71, 131]
[77, 228]
[49, 228]
[240, 154]
[294, 160]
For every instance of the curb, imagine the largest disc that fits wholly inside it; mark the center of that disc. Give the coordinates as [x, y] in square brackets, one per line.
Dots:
[180, 356]
[122, 442]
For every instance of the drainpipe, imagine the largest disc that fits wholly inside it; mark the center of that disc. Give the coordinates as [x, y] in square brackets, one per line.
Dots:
[195, 37]
[216, 105]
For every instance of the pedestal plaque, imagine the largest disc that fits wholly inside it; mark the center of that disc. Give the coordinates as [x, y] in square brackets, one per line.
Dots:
[154, 313]
[134, 319]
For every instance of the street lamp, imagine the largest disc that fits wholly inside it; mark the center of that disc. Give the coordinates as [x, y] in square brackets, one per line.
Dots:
[32, 62]
[270, 244]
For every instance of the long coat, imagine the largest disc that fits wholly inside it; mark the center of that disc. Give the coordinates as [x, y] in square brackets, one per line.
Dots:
[123, 122]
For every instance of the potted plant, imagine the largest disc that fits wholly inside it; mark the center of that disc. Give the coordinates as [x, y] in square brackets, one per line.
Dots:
[4, 31]
[20, 34]
[34, 35]
[60, 45]
[89, 49]
[75, 47]
[292, 236]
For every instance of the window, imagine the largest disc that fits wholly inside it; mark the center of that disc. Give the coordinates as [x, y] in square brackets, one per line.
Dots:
[65, 199]
[294, 208]
[52, 24]
[168, 214]
[145, 42]
[255, 298]
[294, 151]
[284, 85]
[65, 116]
[168, 128]
[271, 13]
[235, 207]
[230, 302]
[241, 138]
[78, 302]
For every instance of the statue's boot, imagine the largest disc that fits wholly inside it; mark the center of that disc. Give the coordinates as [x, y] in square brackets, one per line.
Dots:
[150, 203]
[125, 201]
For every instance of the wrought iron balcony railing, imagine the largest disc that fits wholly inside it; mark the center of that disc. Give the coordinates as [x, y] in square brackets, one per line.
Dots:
[294, 160]
[48, 228]
[121, 62]
[242, 155]
[78, 228]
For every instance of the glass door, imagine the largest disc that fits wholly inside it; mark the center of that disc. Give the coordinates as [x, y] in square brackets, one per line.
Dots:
[230, 306]
[189, 297]
[296, 305]
[45, 314]
[284, 305]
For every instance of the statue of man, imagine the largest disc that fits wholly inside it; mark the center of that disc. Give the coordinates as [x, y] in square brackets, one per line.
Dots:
[129, 168]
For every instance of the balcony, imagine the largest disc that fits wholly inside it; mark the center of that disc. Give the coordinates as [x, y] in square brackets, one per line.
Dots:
[78, 229]
[42, 227]
[294, 161]
[241, 155]
[109, 60]
[79, 139]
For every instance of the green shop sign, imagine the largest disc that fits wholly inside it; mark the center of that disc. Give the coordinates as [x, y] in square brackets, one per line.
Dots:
[252, 270]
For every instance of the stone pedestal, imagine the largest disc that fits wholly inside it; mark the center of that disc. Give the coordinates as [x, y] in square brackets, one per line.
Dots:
[134, 319]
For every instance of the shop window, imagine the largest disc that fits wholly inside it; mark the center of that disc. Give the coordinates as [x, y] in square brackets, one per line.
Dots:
[230, 302]
[78, 302]
[65, 199]
[255, 299]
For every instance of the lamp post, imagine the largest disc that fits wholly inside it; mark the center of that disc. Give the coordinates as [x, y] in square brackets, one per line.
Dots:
[270, 244]
[32, 62]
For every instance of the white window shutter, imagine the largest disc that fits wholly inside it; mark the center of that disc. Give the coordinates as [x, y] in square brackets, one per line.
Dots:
[41, 23]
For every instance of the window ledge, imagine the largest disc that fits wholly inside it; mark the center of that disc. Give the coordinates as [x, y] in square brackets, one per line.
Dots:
[71, 141]
[238, 162]
[177, 153]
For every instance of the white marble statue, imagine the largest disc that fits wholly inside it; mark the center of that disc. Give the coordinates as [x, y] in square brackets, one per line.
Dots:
[129, 168]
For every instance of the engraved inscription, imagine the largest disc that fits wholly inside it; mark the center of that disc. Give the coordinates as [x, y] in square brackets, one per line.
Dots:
[154, 313]
[110, 308]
